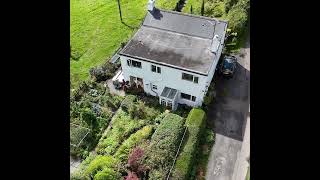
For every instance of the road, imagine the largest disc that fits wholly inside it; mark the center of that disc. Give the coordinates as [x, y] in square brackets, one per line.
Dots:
[228, 116]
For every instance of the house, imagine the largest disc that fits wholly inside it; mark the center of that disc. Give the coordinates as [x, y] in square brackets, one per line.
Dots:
[174, 56]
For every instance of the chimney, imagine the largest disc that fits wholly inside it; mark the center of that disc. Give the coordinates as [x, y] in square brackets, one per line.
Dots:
[151, 5]
[215, 44]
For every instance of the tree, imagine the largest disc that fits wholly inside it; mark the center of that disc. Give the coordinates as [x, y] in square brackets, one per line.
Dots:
[202, 8]
[90, 118]
[134, 161]
[131, 176]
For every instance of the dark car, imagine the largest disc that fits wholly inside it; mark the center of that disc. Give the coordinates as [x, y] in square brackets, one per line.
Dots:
[228, 66]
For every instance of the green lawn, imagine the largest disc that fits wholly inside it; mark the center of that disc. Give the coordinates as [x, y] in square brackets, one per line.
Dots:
[166, 4]
[96, 32]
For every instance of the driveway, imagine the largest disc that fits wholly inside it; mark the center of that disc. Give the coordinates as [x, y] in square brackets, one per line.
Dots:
[227, 116]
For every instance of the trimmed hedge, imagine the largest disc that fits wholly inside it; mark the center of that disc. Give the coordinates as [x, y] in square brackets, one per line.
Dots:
[196, 124]
[163, 146]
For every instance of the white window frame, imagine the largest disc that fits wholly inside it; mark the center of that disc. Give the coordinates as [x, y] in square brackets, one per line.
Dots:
[193, 78]
[158, 69]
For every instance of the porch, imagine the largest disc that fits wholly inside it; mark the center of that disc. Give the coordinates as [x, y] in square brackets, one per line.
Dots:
[168, 98]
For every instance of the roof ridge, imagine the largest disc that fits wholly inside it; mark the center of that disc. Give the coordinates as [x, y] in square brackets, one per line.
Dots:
[192, 15]
[185, 34]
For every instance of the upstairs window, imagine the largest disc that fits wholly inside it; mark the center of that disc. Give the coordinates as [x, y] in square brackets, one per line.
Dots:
[156, 69]
[134, 63]
[190, 77]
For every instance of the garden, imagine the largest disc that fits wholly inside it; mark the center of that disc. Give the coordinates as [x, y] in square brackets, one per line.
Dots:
[144, 141]
[141, 142]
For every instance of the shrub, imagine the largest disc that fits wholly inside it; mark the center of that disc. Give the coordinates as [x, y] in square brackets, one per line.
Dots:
[134, 159]
[136, 138]
[137, 111]
[164, 144]
[122, 127]
[128, 102]
[100, 163]
[88, 116]
[131, 176]
[107, 174]
[195, 123]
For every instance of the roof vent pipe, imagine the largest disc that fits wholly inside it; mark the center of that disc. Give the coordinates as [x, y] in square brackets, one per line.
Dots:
[151, 5]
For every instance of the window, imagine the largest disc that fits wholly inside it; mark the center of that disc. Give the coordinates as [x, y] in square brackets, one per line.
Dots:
[188, 97]
[136, 64]
[133, 63]
[190, 77]
[185, 96]
[154, 87]
[155, 69]
[196, 79]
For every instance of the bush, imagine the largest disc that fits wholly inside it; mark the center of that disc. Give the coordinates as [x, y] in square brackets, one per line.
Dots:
[131, 176]
[104, 72]
[122, 127]
[107, 174]
[163, 146]
[135, 139]
[128, 102]
[134, 160]
[88, 116]
[98, 164]
[137, 111]
[195, 123]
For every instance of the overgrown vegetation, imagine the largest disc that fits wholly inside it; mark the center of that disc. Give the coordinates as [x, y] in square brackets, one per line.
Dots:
[104, 72]
[234, 11]
[130, 142]
[91, 107]
[195, 126]
[202, 156]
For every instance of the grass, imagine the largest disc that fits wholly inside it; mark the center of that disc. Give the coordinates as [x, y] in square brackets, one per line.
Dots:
[166, 4]
[96, 32]
[206, 143]
[248, 174]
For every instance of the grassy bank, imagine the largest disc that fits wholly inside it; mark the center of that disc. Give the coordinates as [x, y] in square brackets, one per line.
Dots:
[96, 32]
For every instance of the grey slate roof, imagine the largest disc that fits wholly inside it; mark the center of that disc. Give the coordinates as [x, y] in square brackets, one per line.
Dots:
[176, 39]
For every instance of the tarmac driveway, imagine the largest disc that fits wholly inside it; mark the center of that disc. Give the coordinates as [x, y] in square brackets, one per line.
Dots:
[227, 116]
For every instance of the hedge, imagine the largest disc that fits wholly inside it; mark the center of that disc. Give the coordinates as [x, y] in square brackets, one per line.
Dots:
[136, 138]
[196, 124]
[164, 145]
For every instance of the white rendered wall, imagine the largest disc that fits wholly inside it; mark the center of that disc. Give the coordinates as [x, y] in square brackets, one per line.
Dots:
[169, 77]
